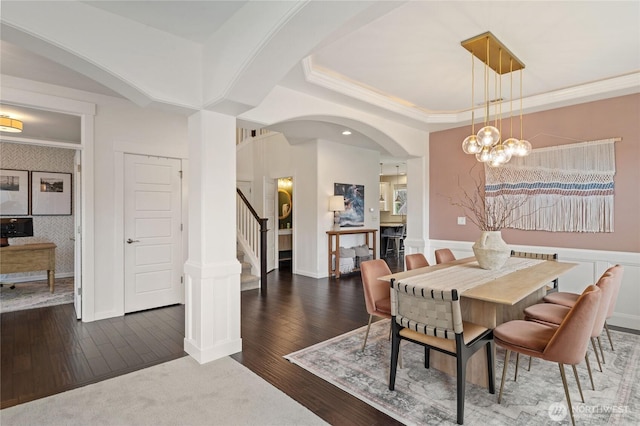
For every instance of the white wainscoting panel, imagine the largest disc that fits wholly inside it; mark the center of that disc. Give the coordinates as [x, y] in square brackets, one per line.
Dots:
[591, 265]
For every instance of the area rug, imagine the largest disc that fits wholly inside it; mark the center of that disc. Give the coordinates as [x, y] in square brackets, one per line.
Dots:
[179, 392]
[35, 294]
[428, 397]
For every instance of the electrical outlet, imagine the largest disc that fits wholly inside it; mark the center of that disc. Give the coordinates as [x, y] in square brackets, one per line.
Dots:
[462, 220]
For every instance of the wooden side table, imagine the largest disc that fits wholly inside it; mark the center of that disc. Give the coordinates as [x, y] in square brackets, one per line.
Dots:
[334, 246]
[30, 257]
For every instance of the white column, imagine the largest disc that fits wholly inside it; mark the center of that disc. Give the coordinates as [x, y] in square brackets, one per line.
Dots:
[212, 271]
[418, 205]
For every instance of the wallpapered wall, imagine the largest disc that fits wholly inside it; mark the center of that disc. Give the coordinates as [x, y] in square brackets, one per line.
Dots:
[55, 229]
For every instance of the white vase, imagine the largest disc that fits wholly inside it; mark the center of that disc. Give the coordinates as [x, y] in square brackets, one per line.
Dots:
[491, 251]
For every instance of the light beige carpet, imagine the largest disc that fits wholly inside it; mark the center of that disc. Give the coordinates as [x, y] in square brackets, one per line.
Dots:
[180, 392]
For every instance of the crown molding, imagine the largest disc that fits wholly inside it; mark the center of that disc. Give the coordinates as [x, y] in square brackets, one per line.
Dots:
[612, 87]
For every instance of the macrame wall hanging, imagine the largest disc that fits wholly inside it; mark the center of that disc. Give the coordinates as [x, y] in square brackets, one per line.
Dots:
[566, 188]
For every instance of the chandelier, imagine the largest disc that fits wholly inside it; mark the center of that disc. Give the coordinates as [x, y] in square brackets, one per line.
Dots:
[488, 145]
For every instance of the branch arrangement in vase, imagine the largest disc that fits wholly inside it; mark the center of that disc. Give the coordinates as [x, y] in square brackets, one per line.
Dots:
[496, 215]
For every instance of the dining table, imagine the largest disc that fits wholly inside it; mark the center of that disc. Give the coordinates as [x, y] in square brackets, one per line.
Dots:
[487, 297]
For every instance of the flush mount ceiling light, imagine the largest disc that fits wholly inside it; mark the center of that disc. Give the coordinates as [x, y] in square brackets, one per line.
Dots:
[346, 132]
[487, 144]
[8, 124]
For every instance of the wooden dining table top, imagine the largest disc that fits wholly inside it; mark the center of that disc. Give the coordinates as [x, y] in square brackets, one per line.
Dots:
[508, 289]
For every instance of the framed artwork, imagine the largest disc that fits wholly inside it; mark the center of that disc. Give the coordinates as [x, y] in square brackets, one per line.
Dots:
[353, 214]
[14, 192]
[50, 193]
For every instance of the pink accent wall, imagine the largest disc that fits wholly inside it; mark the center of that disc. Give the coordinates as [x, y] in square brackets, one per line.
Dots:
[615, 117]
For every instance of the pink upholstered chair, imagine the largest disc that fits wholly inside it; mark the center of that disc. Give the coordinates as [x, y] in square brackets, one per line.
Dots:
[432, 318]
[565, 344]
[415, 260]
[444, 255]
[376, 293]
[553, 315]
[568, 299]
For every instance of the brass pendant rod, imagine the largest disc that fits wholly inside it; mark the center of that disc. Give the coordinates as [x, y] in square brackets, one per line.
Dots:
[473, 79]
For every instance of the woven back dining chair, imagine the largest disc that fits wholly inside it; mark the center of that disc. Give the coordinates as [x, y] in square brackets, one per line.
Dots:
[553, 286]
[432, 318]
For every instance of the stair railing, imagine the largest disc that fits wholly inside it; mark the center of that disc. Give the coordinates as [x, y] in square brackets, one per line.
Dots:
[252, 229]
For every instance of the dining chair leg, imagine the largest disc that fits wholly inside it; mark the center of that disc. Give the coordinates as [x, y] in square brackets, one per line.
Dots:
[395, 349]
[515, 376]
[504, 373]
[586, 360]
[575, 373]
[593, 344]
[530, 358]
[367, 333]
[606, 328]
[600, 346]
[461, 381]
[566, 392]
[491, 378]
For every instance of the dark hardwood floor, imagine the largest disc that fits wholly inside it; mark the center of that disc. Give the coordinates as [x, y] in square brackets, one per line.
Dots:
[46, 351]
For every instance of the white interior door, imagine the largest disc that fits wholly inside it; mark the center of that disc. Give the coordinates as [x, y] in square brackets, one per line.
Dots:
[270, 191]
[77, 230]
[152, 222]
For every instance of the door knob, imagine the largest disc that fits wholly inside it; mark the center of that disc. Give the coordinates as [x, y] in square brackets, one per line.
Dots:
[129, 241]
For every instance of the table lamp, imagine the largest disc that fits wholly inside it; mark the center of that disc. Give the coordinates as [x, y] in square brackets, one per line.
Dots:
[336, 205]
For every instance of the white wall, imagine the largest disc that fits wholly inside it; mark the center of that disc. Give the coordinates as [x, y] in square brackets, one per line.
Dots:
[315, 166]
[339, 163]
[121, 127]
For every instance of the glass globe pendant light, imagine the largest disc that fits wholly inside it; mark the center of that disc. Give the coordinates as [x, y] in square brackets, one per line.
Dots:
[511, 143]
[488, 135]
[523, 147]
[484, 155]
[487, 144]
[470, 144]
[499, 155]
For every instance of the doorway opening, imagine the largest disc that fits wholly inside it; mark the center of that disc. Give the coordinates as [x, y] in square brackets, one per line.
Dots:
[285, 223]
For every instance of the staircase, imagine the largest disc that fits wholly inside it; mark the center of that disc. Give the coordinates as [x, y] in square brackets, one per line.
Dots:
[248, 281]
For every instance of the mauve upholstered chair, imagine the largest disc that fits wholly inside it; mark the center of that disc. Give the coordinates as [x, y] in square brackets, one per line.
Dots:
[415, 260]
[553, 315]
[444, 255]
[568, 299]
[376, 293]
[565, 344]
[432, 318]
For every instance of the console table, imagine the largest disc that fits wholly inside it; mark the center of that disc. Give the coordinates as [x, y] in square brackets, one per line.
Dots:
[30, 257]
[334, 245]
